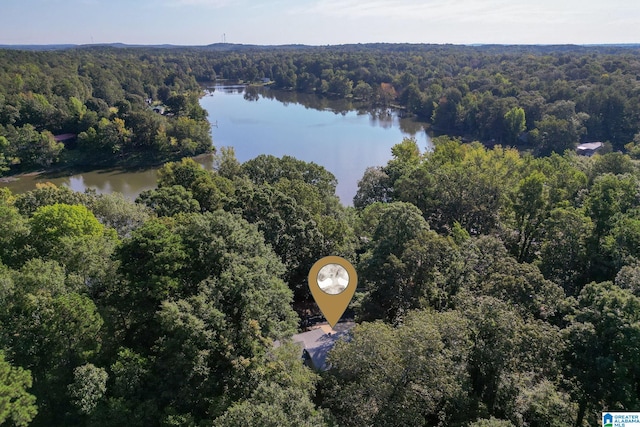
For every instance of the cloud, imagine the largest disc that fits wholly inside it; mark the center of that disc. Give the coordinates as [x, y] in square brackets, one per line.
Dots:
[214, 4]
[460, 11]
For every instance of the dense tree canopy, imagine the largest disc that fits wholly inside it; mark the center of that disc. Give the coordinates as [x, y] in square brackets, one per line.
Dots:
[165, 311]
[96, 107]
[546, 99]
[497, 286]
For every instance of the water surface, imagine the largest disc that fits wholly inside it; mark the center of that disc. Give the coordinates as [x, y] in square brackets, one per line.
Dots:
[333, 133]
[336, 134]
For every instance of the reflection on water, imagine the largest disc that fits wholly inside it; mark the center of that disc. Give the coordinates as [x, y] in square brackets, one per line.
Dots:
[383, 118]
[251, 93]
[341, 135]
[410, 126]
[129, 183]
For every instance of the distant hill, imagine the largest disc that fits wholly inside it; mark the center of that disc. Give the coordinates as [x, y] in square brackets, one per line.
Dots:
[37, 46]
[214, 46]
[395, 47]
[47, 47]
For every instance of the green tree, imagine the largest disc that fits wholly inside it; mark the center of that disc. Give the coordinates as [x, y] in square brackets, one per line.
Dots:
[289, 228]
[555, 134]
[33, 148]
[71, 235]
[412, 375]
[621, 245]
[210, 190]
[38, 276]
[14, 233]
[183, 173]
[564, 180]
[226, 163]
[17, 405]
[544, 404]
[375, 186]
[235, 245]
[206, 337]
[116, 211]
[564, 250]
[405, 265]
[51, 224]
[151, 262]
[128, 400]
[213, 192]
[463, 183]
[490, 271]
[515, 124]
[5, 159]
[614, 163]
[445, 112]
[108, 137]
[340, 86]
[363, 91]
[193, 136]
[148, 131]
[47, 194]
[610, 197]
[178, 103]
[529, 204]
[88, 388]
[51, 335]
[270, 169]
[273, 406]
[602, 349]
[495, 337]
[406, 156]
[629, 278]
[169, 200]
[491, 422]
[282, 397]
[413, 98]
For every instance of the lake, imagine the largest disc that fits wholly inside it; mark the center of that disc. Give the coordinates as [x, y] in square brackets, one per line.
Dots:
[340, 135]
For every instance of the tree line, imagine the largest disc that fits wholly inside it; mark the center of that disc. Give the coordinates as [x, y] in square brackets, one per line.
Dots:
[543, 99]
[495, 288]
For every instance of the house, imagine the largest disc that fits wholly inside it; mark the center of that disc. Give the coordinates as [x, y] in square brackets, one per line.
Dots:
[68, 139]
[589, 149]
[316, 343]
[64, 137]
[158, 109]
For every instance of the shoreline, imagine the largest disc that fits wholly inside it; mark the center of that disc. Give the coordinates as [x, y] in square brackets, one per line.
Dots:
[70, 170]
[13, 178]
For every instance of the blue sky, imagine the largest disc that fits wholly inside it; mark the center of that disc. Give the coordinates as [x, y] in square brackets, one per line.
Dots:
[319, 22]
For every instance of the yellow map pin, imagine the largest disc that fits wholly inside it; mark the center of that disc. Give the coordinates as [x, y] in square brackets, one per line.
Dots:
[332, 281]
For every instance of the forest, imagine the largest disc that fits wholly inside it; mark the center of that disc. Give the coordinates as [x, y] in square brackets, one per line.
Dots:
[499, 281]
[540, 98]
[90, 109]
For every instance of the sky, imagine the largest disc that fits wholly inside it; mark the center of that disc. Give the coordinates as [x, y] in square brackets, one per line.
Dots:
[319, 22]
